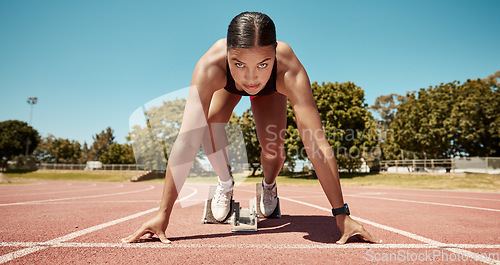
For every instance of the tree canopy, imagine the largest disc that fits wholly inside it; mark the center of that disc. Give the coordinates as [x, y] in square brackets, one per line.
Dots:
[347, 124]
[15, 136]
[450, 120]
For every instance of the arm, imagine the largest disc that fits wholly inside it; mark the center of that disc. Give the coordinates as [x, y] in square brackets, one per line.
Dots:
[206, 78]
[296, 86]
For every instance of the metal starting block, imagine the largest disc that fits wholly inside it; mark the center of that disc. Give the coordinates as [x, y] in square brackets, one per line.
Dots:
[244, 219]
[277, 212]
[208, 217]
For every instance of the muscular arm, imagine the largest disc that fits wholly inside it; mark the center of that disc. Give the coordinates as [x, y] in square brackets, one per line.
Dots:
[296, 86]
[207, 78]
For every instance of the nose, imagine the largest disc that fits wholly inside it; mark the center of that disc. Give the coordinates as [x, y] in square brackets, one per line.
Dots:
[251, 75]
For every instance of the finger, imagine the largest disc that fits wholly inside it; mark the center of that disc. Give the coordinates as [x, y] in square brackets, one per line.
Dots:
[134, 236]
[367, 237]
[149, 234]
[343, 239]
[163, 237]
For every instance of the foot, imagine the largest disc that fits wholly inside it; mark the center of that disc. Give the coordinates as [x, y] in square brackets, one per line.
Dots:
[221, 202]
[268, 200]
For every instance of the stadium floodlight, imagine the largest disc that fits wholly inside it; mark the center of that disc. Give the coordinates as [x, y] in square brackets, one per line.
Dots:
[32, 101]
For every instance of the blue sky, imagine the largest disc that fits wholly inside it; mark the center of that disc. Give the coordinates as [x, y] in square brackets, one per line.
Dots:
[92, 63]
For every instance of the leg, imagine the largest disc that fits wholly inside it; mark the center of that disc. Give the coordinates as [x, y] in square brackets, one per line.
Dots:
[215, 142]
[270, 122]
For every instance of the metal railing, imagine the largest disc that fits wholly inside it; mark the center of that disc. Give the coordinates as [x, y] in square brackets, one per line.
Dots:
[110, 167]
[489, 165]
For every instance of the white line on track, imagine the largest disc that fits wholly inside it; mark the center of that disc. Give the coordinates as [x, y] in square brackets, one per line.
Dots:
[267, 246]
[366, 195]
[66, 191]
[457, 250]
[432, 203]
[26, 251]
[443, 196]
[80, 197]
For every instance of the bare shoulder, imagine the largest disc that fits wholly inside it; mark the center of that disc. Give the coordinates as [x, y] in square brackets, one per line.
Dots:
[292, 76]
[211, 68]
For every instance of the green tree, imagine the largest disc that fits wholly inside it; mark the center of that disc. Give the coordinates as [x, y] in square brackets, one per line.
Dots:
[14, 136]
[347, 123]
[101, 144]
[58, 150]
[386, 106]
[450, 120]
[247, 125]
[155, 132]
[118, 154]
[85, 154]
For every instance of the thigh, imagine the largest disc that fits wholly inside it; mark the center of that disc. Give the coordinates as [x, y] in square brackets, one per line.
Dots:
[270, 119]
[222, 106]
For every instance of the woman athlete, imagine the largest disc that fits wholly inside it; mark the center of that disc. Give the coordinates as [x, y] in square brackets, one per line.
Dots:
[250, 62]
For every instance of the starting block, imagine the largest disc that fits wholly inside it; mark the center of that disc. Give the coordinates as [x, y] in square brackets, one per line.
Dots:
[208, 217]
[277, 212]
[244, 219]
[241, 219]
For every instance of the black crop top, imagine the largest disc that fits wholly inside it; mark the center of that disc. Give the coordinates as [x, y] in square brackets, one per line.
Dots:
[267, 90]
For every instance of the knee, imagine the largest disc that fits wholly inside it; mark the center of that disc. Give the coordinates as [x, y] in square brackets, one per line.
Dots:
[273, 153]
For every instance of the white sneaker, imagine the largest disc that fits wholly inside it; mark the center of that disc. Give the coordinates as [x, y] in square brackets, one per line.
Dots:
[268, 200]
[221, 202]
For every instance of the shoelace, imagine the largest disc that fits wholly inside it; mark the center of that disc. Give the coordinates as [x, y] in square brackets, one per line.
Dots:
[223, 196]
[269, 194]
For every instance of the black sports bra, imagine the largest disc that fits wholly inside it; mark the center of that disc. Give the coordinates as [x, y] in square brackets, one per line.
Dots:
[267, 90]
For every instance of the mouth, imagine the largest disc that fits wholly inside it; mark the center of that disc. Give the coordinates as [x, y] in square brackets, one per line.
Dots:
[251, 87]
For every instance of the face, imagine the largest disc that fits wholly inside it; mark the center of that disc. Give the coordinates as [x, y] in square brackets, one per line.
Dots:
[251, 68]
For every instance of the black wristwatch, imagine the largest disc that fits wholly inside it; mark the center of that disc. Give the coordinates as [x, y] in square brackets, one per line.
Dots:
[341, 210]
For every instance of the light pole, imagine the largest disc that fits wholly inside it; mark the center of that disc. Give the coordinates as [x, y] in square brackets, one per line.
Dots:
[32, 101]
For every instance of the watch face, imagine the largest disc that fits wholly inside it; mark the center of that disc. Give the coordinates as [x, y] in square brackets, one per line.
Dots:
[347, 209]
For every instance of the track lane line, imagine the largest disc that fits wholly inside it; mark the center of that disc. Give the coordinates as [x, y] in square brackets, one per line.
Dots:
[266, 246]
[47, 244]
[79, 197]
[68, 191]
[472, 255]
[431, 203]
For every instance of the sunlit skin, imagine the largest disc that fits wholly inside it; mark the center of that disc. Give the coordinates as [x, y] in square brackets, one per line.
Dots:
[210, 102]
[251, 68]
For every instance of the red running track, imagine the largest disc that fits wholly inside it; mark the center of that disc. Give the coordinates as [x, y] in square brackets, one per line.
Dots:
[83, 222]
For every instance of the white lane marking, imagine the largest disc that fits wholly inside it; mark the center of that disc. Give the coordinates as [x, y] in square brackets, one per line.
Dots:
[443, 196]
[80, 197]
[66, 191]
[432, 203]
[266, 246]
[472, 255]
[23, 252]
[363, 195]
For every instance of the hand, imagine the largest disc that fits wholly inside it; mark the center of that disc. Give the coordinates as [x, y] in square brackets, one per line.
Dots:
[155, 226]
[348, 227]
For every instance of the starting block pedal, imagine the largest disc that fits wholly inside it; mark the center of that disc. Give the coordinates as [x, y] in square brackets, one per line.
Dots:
[208, 217]
[277, 212]
[244, 219]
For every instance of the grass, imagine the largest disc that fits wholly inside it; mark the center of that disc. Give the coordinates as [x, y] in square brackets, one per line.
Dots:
[462, 182]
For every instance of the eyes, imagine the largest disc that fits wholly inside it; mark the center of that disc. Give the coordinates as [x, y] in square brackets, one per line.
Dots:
[260, 66]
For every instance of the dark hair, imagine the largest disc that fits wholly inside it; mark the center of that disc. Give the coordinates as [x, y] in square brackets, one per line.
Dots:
[251, 29]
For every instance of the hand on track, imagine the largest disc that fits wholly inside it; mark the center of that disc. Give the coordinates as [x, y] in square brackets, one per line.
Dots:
[348, 227]
[155, 226]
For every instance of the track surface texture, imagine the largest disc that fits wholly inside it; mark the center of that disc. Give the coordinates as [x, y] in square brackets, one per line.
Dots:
[59, 222]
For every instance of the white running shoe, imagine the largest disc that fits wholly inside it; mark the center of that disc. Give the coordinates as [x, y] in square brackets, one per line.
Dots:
[221, 202]
[268, 200]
